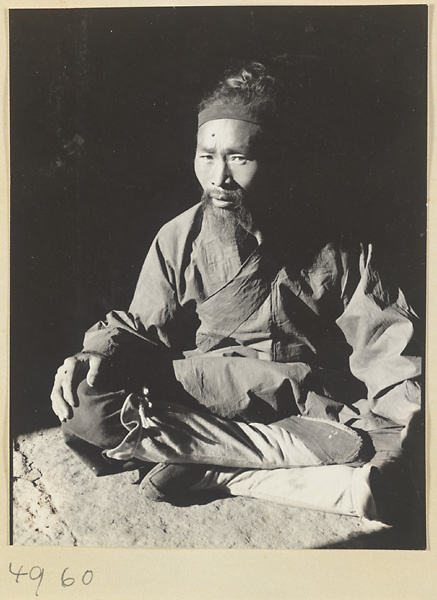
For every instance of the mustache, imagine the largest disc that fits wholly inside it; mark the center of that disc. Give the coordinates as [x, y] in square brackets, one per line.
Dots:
[234, 196]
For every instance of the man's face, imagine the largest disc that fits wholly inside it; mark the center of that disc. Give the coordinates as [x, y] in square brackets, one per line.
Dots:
[227, 162]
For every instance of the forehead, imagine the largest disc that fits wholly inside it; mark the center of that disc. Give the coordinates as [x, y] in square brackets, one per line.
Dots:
[230, 133]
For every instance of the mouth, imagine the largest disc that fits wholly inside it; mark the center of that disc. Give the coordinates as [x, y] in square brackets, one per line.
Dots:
[222, 202]
[223, 199]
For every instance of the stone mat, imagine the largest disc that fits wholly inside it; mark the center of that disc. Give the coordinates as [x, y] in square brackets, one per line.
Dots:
[59, 502]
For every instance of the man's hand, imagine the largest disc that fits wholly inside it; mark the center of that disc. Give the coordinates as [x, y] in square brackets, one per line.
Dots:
[67, 378]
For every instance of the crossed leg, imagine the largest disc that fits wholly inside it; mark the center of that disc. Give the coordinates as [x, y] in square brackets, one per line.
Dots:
[264, 461]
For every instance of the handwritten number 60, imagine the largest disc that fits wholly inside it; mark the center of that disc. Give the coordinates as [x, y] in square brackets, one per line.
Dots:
[87, 578]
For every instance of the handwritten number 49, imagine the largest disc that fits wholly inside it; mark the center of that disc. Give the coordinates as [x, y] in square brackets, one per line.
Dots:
[37, 573]
[34, 574]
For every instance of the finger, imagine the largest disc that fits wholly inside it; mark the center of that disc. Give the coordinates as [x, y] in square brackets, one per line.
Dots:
[67, 389]
[59, 406]
[55, 409]
[68, 371]
[68, 392]
[94, 370]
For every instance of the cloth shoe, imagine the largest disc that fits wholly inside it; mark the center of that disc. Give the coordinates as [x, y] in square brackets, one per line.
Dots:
[173, 483]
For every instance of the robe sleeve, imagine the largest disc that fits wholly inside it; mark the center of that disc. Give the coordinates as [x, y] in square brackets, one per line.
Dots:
[379, 325]
[155, 315]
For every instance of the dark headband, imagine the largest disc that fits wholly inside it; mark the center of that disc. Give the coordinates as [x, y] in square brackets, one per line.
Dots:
[239, 113]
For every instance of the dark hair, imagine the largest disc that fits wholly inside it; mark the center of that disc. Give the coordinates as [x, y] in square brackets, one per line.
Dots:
[251, 87]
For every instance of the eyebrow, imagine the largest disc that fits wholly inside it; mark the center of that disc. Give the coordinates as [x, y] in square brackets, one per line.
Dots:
[212, 150]
[203, 148]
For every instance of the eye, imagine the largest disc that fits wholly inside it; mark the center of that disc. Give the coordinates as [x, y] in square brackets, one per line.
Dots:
[205, 157]
[239, 159]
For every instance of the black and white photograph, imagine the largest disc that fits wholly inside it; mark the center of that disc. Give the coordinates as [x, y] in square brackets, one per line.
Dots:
[218, 277]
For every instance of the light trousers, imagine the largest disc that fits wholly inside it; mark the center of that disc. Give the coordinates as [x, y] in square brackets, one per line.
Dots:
[333, 488]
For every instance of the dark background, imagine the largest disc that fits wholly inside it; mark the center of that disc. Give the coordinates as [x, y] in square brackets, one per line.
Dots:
[103, 121]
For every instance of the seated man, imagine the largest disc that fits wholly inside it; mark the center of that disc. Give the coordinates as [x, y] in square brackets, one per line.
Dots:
[254, 359]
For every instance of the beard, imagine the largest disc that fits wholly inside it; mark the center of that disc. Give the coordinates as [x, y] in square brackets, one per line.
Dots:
[232, 223]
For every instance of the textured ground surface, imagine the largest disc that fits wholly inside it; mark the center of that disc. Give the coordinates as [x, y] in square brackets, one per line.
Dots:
[58, 501]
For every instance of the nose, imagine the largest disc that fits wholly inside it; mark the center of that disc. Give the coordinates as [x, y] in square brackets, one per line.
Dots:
[221, 175]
